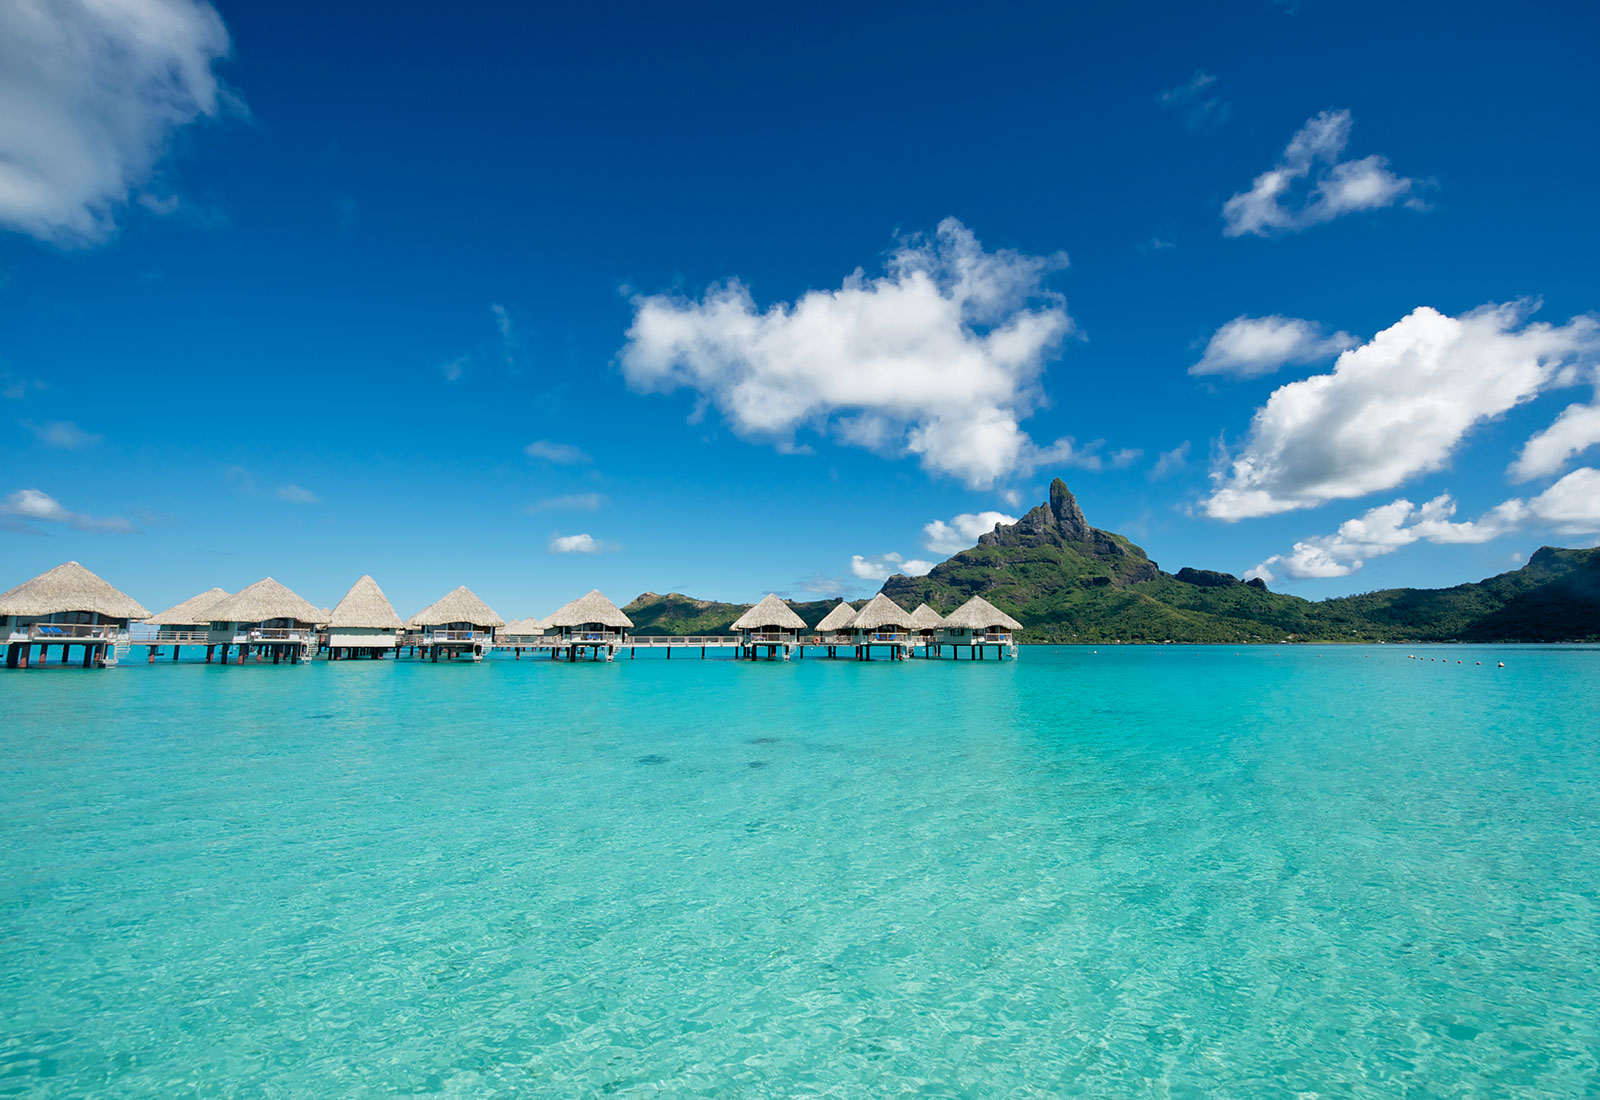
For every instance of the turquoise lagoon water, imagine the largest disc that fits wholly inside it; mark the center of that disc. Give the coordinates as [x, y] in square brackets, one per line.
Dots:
[1185, 872]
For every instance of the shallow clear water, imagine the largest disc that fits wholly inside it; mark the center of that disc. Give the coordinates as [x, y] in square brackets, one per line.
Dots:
[1186, 872]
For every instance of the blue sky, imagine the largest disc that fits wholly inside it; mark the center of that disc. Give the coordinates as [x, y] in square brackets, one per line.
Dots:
[728, 300]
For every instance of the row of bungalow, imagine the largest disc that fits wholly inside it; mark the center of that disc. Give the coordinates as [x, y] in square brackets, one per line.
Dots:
[71, 607]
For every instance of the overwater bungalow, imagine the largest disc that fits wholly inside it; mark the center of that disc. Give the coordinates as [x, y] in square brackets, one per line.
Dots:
[881, 622]
[520, 634]
[978, 624]
[264, 620]
[925, 624]
[182, 624]
[591, 623]
[833, 631]
[772, 624]
[67, 606]
[363, 624]
[460, 625]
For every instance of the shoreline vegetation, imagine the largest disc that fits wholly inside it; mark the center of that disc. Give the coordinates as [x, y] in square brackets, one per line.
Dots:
[1070, 583]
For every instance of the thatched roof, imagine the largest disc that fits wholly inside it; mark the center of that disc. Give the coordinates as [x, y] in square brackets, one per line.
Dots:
[926, 618]
[880, 611]
[837, 619]
[523, 627]
[460, 606]
[771, 611]
[191, 612]
[364, 607]
[979, 614]
[593, 608]
[266, 599]
[70, 587]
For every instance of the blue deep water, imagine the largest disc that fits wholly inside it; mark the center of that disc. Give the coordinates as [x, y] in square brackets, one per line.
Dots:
[1137, 872]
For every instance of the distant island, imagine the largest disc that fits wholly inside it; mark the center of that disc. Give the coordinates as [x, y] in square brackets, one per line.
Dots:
[1069, 582]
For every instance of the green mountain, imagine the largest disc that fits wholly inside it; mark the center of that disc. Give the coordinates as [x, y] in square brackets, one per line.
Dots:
[1069, 582]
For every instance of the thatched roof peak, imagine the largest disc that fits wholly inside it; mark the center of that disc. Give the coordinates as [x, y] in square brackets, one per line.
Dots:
[880, 611]
[979, 614]
[837, 619]
[926, 618]
[593, 608]
[523, 627]
[459, 606]
[191, 612]
[266, 599]
[70, 587]
[771, 611]
[364, 607]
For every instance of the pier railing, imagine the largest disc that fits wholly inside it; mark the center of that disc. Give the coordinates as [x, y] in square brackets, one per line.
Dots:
[772, 639]
[660, 641]
[171, 635]
[69, 632]
[589, 637]
[434, 636]
[279, 634]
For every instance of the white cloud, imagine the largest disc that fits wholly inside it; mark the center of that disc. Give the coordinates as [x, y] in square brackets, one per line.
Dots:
[33, 505]
[1066, 452]
[1248, 347]
[91, 92]
[1546, 452]
[1197, 102]
[510, 342]
[573, 502]
[455, 368]
[1276, 202]
[1170, 462]
[882, 567]
[941, 357]
[1393, 408]
[961, 532]
[295, 494]
[1383, 530]
[1570, 506]
[578, 544]
[1011, 497]
[563, 454]
[63, 434]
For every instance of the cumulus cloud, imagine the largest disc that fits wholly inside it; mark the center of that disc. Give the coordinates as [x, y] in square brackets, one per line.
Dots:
[562, 454]
[1393, 408]
[578, 544]
[1066, 452]
[941, 357]
[1248, 347]
[1197, 102]
[1310, 184]
[882, 567]
[26, 507]
[63, 434]
[1570, 506]
[1546, 452]
[960, 532]
[91, 91]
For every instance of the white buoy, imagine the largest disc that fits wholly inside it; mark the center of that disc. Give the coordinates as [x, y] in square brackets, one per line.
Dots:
[1502, 664]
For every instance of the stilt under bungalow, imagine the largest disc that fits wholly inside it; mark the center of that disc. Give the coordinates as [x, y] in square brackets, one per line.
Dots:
[833, 630]
[67, 606]
[925, 624]
[884, 624]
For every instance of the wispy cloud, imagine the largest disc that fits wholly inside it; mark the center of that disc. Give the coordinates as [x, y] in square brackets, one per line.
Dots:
[295, 494]
[455, 368]
[26, 507]
[13, 388]
[1197, 103]
[572, 502]
[62, 434]
[1310, 184]
[579, 544]
[940, 357]
[563, 454]
[91, 97]
[1170, 462]
[1248, 347]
